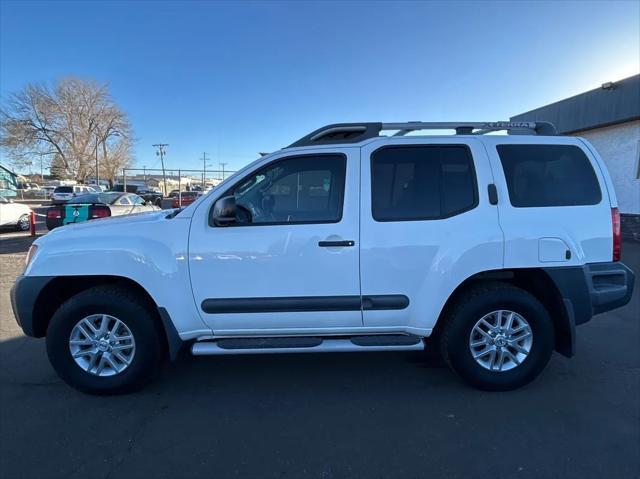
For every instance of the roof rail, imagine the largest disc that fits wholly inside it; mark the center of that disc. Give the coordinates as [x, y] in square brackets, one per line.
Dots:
[357, 132]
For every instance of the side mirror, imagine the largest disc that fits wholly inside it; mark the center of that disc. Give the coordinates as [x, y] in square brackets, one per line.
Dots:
[223, 212]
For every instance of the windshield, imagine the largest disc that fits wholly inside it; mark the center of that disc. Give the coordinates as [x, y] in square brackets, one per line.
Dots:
[103, 198]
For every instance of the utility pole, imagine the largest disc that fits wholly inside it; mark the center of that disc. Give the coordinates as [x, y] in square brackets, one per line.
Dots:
[222, 165]
[41, 169]
[204, 171]
[160, 152]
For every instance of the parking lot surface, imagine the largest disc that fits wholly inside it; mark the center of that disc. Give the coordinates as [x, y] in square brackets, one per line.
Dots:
[326, 415]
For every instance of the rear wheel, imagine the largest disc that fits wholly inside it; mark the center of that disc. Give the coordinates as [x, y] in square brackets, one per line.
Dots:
[104, 340]
[497, 337]
[23, 223]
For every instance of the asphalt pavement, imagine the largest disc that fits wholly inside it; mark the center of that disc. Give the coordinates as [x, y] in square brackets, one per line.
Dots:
[326, 415]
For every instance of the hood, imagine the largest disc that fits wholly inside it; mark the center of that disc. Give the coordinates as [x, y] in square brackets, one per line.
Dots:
[111, 223]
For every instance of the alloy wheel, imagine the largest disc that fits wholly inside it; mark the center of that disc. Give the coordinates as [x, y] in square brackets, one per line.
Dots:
[102, 345]
[501, 340]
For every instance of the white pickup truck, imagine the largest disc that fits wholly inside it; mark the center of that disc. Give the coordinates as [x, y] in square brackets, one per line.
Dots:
[497, 246]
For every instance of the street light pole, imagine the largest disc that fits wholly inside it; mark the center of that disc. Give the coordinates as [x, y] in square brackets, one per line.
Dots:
[160, 153]
[222, 165]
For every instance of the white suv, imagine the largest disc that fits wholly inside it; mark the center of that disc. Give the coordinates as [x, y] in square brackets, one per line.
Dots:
[496, 246]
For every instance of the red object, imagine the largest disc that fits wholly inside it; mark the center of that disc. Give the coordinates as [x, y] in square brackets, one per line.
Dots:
[98, 211]
[186, 200]
[32, 223]
[54, 213]
[617, 234]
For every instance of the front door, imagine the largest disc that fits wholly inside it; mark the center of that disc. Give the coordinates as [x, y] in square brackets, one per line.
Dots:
[290, 263]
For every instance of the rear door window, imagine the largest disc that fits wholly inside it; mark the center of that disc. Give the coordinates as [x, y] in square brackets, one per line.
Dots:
[422, 182]
[548, 175]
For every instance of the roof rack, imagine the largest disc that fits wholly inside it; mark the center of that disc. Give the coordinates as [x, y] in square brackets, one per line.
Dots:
[357, 132]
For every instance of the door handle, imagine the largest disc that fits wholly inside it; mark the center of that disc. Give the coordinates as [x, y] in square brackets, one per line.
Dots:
[329, 244]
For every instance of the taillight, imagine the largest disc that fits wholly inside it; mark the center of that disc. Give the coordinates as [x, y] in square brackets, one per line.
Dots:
[99, 211]
[617, 235]
[54, 213]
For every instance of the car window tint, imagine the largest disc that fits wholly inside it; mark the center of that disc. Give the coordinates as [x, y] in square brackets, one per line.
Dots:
[548, 175]
[305, 189]
[421, 182]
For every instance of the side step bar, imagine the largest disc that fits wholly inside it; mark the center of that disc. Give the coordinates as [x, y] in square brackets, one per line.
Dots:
[276, 345]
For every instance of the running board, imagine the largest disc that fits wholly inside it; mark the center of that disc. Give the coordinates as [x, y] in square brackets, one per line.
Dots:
[276, 345]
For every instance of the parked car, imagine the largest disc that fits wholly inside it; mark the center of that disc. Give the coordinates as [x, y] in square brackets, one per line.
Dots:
[496, 246]
[150, 195]
[14, 214]
[185, 198]
[63, 194]
[96, 205]
[45, 191]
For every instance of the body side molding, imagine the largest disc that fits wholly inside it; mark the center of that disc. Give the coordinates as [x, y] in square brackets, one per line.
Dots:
[304, 303]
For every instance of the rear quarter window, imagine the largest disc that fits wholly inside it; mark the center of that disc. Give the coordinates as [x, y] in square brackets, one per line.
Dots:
[548, 175]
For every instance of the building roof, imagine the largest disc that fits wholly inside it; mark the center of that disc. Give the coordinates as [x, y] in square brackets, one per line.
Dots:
[612, 103]
[8, 170]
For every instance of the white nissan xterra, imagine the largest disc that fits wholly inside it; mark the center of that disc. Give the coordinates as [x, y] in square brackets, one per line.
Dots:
[497, 246]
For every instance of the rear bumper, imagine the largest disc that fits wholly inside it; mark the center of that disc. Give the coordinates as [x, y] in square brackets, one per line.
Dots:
[610, 285]
[585, 291]
[593, 288]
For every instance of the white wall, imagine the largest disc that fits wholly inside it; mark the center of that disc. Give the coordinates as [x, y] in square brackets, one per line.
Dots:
[619, 146]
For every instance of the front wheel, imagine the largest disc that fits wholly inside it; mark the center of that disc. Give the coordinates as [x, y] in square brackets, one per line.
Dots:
[497, 337]
[104, 340]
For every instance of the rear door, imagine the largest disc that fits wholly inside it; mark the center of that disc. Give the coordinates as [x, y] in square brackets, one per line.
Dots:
[426, 226]
[554, 206]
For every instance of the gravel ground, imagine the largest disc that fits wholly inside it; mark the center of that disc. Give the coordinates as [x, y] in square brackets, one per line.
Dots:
[326, 416]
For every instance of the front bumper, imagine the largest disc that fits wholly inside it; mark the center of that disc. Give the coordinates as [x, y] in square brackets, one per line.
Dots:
[24, 295]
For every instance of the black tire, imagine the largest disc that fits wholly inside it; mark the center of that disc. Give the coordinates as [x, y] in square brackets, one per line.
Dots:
[473, 305]
[23, 223]
[127, 307]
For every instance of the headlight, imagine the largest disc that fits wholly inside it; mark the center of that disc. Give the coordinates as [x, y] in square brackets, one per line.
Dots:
[30, 254]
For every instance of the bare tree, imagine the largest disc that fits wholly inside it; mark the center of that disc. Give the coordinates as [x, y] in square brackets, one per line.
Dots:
[116, 156]
[67, 123]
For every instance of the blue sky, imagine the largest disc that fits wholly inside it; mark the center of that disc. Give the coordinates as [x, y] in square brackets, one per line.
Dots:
[236, 78]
